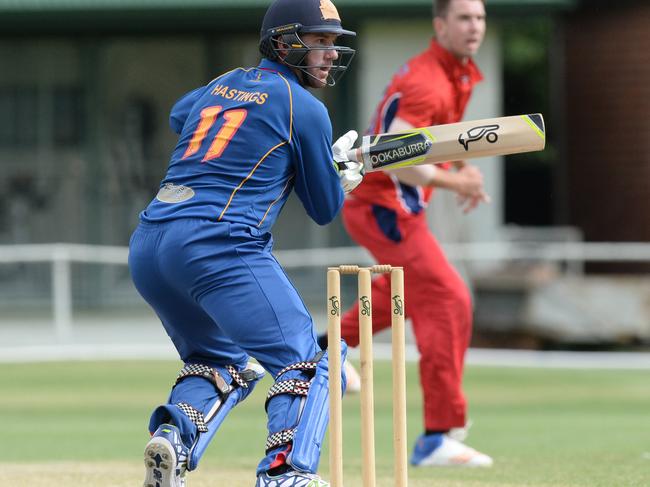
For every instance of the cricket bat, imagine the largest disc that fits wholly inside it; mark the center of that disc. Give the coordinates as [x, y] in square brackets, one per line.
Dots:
[451, 142]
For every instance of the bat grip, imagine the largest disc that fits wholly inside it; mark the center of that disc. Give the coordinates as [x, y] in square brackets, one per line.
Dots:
[354, 155]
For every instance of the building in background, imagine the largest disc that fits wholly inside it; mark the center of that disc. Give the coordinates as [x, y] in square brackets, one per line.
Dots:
[86, 87]
[606, 176]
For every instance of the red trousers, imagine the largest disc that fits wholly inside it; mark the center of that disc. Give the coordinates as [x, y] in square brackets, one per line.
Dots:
[437, 302]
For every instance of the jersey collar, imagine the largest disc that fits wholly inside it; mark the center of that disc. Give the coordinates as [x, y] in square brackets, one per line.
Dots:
[455, 69]
[283, 69]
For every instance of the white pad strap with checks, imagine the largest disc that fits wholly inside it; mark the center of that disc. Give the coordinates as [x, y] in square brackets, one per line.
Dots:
[296, 386]
[195, 416]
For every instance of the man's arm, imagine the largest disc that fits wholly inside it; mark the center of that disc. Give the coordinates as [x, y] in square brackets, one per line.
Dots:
[466, 181]
[316, 182]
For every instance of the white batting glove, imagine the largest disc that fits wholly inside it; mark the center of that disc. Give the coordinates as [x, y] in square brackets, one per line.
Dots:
[350, 172]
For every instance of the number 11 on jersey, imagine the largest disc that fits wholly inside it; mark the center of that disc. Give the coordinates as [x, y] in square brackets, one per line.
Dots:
[233, 120]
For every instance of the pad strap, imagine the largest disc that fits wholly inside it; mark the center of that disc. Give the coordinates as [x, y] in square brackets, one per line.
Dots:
[242, 378]
[280, 438]
[243, 383]
[298, 420]
[298, 366]
[210, 374]
[195, 416]
[296, 387]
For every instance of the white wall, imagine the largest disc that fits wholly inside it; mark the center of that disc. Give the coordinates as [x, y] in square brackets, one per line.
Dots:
[384, 47]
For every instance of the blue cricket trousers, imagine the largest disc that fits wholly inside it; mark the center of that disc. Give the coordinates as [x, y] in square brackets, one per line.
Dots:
[220, 293]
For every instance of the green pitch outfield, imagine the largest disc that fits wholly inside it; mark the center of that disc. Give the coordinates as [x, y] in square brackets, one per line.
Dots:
[84, 424]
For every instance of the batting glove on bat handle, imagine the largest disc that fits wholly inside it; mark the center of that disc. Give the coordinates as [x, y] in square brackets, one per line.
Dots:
[350, 172]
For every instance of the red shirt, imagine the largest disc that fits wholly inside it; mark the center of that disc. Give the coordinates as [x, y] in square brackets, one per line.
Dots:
[432, 88]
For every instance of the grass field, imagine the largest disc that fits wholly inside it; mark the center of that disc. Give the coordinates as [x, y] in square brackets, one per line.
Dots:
[84, 424]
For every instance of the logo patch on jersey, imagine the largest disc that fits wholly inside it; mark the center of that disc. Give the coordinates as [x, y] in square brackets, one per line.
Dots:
[328, 10]
[174, 193]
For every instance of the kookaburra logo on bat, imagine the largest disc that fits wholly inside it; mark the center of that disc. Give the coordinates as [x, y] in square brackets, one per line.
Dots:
[477, 133]
[392, 149]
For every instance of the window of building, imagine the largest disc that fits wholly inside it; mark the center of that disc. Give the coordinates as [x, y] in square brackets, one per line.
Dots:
[18, 116]
[26, 112]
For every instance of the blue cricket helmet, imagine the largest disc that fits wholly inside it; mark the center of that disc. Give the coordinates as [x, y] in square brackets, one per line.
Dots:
[312, 15]
[286, 20]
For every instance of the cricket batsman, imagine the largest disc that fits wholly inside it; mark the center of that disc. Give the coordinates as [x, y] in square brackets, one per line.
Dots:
[201, 254]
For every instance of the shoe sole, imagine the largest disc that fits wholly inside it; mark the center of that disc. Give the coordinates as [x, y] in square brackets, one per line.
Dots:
[160, 464]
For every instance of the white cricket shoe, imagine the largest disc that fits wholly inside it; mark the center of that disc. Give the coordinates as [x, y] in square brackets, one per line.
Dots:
[443, 451]
[290, 479]
[461, 433]
[165, 458]
[353, 384]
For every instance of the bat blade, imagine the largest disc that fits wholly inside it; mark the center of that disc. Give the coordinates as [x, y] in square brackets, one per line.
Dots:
[451, 142]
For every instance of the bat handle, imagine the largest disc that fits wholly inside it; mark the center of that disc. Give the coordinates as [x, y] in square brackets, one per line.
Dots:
[354, 155]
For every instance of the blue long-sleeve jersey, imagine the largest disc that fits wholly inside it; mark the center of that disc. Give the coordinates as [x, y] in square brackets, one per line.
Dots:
[245, 141]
